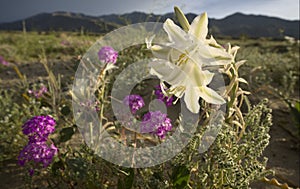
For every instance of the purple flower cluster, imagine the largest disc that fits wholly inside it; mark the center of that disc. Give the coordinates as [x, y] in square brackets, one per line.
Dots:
[38, 93]
[108, 55]
[3, 61]
[39, 152]
[135, 102]
[38, 129]
[156, 122]
[160, 96]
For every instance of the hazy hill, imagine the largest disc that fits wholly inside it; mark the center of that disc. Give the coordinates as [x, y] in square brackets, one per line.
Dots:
[235, 25]
[254, 26]
[60, 21]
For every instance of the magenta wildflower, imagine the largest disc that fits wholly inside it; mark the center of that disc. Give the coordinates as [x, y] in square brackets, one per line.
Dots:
[38, 93]
[38, 128]
[38, 152]
[108, 55]
[3, 61]
[160, 96]
[135, 102]
[157, 123]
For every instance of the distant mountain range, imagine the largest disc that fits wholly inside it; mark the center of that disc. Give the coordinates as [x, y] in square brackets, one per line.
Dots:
[235, 25]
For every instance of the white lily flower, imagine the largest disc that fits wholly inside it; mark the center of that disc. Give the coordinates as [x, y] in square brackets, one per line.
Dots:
[192, 44]
[186, 54]
[188, 80]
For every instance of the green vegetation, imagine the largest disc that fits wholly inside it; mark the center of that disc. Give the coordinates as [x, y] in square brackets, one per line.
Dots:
[233, 161]
[27, 47]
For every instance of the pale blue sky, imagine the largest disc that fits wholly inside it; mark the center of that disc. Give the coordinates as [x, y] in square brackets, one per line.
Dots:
[11, 10]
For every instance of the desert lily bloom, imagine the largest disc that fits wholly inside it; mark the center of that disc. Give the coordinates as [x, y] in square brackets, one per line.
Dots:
[180, 62]
[191, 45]
[188, 80]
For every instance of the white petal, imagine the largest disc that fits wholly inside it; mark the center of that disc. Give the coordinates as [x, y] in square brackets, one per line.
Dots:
[205, 77]
[191, 98]
[211, 41]
[211, 52]
[168, 72]
[195, 75]
[175, 33]
[210, 95]
[199, 27]
[160, 51]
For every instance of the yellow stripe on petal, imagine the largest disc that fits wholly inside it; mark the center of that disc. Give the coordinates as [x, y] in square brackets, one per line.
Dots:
[199, 27]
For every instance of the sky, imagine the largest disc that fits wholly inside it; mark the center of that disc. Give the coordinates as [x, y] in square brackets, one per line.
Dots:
[12, 10]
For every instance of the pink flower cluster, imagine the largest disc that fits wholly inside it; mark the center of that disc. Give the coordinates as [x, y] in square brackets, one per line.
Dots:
[157, 123]
[108, 55]
[154, 122]
[90, 105]
[135, 102]
[38, 93]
